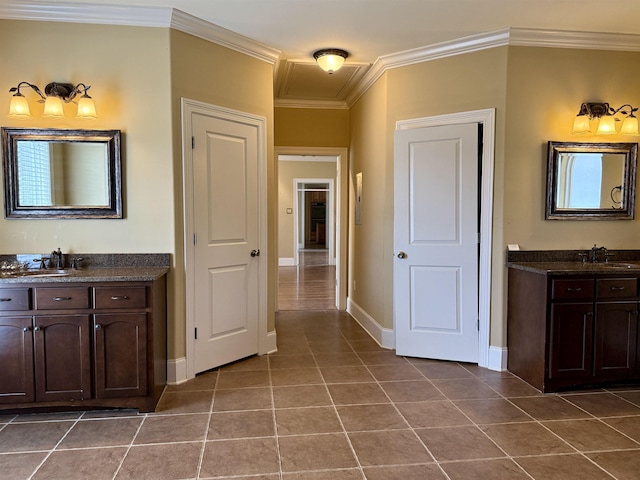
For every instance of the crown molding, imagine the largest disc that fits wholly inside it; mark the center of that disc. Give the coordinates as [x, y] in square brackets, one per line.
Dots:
[138, 17]
[572, 39]
[498, 38]
[86, 13]
[213, 33]
[322, 104]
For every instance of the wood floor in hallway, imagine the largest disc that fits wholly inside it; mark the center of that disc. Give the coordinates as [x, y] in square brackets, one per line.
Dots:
[308, 286]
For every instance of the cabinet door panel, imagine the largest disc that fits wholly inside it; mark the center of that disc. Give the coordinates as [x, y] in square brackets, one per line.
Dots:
[615, 340]
[16, 360]
[571, 336]
[121, 355]
[62, 357]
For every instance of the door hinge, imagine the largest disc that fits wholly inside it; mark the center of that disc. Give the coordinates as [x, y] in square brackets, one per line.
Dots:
[193, 142]
[195, 238]
[478, 324]
[196, 333]
[478, 237]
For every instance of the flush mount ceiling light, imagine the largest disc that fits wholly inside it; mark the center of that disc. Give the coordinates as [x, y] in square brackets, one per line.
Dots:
[53, 96]
[330, 59]
[606, 117]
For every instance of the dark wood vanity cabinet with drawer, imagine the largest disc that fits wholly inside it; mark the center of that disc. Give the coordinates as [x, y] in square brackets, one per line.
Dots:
[86, 346]
[573, 330]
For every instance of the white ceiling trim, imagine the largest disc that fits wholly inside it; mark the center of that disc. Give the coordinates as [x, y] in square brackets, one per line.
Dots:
[507, 36]
[139, 17]
[85, 13]
[294, 103]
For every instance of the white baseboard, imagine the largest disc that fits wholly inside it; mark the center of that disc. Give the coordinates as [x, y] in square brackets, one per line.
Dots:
[270, 345]
[286, 262]
[498, 358]
[384, 336]
[177, 371]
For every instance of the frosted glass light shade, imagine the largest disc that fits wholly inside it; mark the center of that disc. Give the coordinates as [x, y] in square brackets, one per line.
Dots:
[581, 124]
[19, 107]
[53, 107]
[607, 125]
[86, 108]
[630, 126]
[330, 59]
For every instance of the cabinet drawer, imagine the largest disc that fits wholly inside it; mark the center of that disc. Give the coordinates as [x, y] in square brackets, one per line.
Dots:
[120, 297]
[617, 287]
[14, 299]
[570, 289]
[59, 298]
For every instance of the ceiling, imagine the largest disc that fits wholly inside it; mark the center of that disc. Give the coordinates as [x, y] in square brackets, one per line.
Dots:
[370, 29]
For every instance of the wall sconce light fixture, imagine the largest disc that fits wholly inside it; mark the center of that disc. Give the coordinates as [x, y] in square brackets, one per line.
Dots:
[330, 59]
[606, 119]
[53, 96]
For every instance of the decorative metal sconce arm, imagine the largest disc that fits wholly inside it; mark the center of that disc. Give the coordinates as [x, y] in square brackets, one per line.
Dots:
[66, 91]
[33, 87]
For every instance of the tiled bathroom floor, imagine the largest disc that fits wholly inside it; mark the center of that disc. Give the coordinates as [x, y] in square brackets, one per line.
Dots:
[332, 405]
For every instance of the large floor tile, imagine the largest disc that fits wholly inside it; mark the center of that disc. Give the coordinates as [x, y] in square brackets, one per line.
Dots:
[301, 421]
[161, 462]
[623, 465]
[357, 393]
[405, 472]
[315, 452]
[20, 466]
[398, 447]
[242, 399]
[301, 396]
[498, 469]
[518, 439]
[603, 404]
[549, 408]
[432, 414]
[562, 467]
[94, 463]
[246, 424]
[590, 435]
[492, 410]
[458, 443]
[253, 456]
[359, 418]
[22, 437]
[173, 428]
[102, 433]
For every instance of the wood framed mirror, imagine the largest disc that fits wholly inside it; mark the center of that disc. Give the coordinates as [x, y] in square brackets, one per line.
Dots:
[50, 173]
[591, 181]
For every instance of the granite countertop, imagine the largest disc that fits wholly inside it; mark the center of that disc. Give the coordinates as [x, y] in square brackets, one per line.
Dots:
[93, 268]
[567, 262]
[118, 274]
[572, 268]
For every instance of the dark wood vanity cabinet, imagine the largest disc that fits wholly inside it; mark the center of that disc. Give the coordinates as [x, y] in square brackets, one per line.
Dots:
[573, 330]
[90, 345]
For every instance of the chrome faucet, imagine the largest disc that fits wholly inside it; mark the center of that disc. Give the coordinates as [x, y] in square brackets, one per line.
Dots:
[59, 261]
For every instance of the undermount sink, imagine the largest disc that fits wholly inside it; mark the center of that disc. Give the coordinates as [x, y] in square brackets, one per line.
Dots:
[37, 273]
[620, 265]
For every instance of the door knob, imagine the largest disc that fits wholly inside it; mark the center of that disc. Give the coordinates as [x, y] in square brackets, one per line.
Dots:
[255, 253]
[402, 255]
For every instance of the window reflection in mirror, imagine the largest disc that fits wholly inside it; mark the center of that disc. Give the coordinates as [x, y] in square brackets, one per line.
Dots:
[62, 174]
[591, 181]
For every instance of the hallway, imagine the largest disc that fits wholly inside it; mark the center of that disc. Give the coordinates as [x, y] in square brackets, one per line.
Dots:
[309, 286]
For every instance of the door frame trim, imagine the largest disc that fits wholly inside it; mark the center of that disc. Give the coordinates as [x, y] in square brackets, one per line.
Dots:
[188, 108]
[485, 117]
[330, 217]
[342, 212]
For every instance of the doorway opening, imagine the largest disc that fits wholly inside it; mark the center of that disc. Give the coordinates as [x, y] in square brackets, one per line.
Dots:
[312, 206]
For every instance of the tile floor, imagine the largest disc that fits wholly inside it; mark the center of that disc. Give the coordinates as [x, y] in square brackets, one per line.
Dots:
[332, 405]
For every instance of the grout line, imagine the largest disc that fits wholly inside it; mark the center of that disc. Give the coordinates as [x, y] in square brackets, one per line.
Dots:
[207, 425]
[56, 445]
[126, 454]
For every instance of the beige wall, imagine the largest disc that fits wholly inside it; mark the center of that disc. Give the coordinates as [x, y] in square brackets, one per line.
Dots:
[370, 285]
[287, 171]
[311, 127]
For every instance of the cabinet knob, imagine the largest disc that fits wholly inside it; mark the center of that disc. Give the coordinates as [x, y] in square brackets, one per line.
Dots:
[401, 255]
[36, 329]
[98, 326]
[26, 329]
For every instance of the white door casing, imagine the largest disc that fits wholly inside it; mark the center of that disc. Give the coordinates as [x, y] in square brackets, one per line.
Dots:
[225, 219]
[436, 242]
[486, 118]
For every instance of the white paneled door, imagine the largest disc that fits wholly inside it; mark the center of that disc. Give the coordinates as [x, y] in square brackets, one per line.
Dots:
[436, 242]
[226, 237]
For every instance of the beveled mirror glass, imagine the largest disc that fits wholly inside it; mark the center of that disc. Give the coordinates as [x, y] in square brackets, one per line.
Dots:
[62, 173]
[591, 181]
